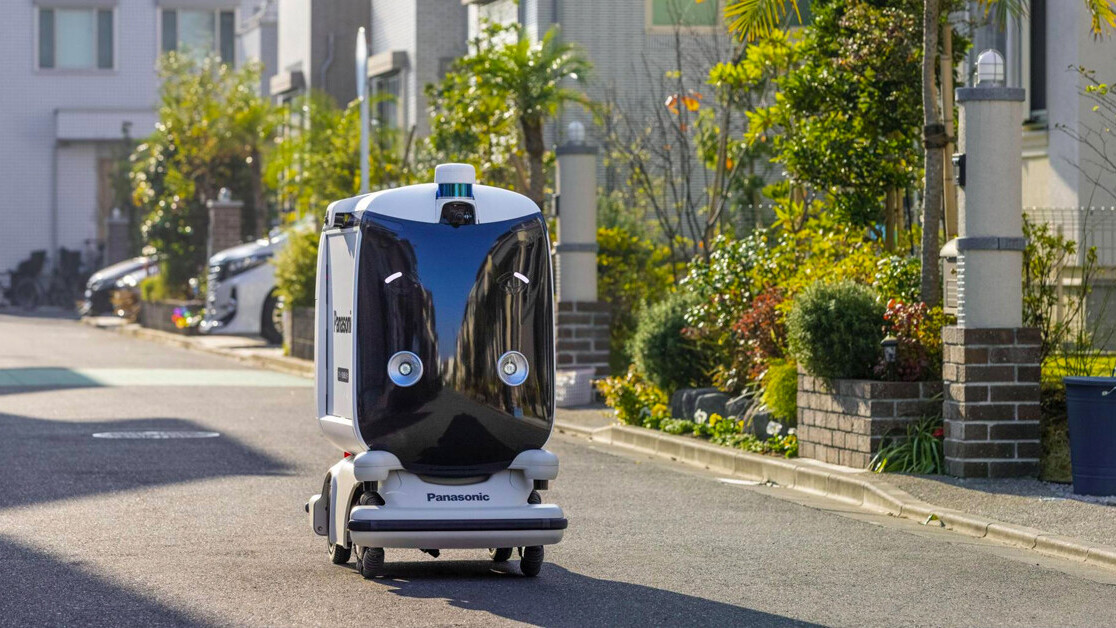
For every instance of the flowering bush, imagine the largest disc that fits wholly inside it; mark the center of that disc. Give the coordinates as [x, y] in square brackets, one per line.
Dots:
[918, 330]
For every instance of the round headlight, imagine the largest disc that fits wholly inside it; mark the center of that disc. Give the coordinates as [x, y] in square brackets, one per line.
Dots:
[405, 369]
[512, 368]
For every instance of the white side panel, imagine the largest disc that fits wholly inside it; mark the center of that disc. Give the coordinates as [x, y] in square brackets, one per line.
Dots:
[339, 339]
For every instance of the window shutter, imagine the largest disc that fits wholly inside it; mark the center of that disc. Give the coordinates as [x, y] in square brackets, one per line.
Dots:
[104, 39]
[46, 38]
[170, 30]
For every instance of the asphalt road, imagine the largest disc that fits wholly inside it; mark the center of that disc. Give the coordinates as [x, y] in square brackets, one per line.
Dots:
[211, 531]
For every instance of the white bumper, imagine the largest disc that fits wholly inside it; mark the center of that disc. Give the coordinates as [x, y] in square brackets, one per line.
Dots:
[457, 528]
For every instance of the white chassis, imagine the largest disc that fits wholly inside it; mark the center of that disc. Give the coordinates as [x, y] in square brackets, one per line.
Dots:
[488, 513]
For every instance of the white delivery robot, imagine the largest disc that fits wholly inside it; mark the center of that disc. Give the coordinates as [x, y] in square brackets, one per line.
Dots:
[435, 373]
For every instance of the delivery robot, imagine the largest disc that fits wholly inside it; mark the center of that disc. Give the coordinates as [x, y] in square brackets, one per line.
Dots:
[435, 373]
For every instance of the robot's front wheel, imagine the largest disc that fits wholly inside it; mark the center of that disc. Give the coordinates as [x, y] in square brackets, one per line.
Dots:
[339, 555]
[531, 561]
[500, 554]
[372, 562]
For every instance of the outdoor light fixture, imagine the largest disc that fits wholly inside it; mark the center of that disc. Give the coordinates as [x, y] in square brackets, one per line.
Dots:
[512, 368]
[890, 348]
[405, 369]
[990, 69]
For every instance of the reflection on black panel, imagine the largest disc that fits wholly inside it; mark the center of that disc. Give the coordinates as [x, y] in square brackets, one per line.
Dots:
[461, 297]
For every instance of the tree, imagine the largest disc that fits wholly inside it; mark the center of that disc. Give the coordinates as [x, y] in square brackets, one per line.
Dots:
[507, 86]
[316, 158]
[751, 19]
[680, 142]
[211, 134]
[846, 117]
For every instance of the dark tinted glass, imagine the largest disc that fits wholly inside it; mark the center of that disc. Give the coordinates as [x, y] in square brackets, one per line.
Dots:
[46, 38]
[170, 30]
[104, 39]
[1038, 55]
[227, 37]
[459, 306]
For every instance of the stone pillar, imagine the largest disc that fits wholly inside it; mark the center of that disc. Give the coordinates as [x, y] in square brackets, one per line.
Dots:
[583, 322]
[117, 238]
[991, 371]
[224, 223]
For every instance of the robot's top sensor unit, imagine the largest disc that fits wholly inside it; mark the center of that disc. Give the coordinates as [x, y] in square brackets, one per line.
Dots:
[435, 323]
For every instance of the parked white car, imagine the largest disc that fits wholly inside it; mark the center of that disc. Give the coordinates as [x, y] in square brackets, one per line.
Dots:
[240, 292]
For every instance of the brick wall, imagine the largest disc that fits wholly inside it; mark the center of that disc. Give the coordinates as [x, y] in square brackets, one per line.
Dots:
[583, 335]
[224, 225]
[991, 406]
[844, 421]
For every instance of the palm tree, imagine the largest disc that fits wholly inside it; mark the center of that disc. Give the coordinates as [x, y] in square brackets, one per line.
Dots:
[753, 19]
[532, 77]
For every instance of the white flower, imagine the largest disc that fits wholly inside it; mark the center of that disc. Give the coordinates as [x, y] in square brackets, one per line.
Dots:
[792, 432]
[700, 416]
[774, 427]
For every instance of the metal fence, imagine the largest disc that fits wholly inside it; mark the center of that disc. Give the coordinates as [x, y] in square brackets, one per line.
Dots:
[1087, 226]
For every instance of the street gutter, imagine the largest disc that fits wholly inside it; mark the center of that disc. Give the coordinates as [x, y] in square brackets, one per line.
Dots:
[856, 487]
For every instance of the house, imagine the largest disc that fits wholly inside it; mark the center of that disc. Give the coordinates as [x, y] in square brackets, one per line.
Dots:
[316, 41]
[1064, 181]
[631, 43]
[79, 79]
[411, 45]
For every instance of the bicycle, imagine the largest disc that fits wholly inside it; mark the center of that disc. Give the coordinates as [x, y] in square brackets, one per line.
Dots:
[23, 289]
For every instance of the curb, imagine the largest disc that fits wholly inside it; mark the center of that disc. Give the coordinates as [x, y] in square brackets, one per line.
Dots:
[857, 488]
[853, 487]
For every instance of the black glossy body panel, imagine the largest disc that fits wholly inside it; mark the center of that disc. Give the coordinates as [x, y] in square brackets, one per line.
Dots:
[459, 306]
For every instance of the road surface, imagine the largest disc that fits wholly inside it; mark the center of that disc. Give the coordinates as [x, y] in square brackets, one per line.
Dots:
[211, 531]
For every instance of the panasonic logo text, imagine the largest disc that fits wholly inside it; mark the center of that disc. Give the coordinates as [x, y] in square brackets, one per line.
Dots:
[472, 497]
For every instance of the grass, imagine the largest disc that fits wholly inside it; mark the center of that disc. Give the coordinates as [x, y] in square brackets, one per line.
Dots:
[1100, 365]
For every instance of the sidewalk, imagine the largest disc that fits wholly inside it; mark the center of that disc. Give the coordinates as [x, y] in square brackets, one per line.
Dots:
[1026, 512]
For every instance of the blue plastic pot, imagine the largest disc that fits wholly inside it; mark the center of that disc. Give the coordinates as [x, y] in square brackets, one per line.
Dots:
[1092, 434]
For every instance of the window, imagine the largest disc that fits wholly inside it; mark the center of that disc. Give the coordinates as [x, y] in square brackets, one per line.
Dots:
[388, 91]
[1037, 79]
[666, 14]
[75, 39]
[200, 32]
[685, 12]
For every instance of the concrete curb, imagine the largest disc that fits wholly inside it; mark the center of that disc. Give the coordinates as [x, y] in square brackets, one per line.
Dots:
[850, 486]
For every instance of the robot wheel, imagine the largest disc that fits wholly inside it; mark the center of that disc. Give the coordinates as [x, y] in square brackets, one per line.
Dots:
[372, 563]
[531, 560]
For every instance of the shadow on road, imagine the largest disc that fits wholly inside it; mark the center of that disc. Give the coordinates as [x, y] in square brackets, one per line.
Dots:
[560, 598]
[41, 590]
[46, 460]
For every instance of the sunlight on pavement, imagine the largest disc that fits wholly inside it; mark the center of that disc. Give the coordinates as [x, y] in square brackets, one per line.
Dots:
[118, 377]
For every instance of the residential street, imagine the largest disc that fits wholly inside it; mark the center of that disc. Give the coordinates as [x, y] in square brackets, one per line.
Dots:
[211, 531]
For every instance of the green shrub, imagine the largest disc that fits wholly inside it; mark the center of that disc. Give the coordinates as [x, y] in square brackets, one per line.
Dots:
[296, 268]
[834, 330]
[780, 392]
[898, 277]
[153, 288]
[632, 271]
[635, 401]
[661, 352]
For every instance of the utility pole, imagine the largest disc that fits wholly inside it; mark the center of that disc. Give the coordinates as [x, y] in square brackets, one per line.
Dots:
[362, 94]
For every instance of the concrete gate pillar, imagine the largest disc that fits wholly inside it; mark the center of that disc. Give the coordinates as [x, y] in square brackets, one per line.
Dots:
[582, 320]
[991, 363]
[224, 223]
